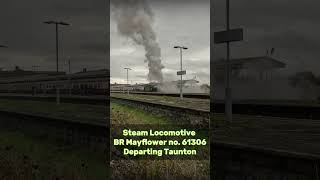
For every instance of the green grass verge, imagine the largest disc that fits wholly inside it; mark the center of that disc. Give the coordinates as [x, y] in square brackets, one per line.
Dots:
[52, 160]
[155, 169]
[81, 112]
[129, 115]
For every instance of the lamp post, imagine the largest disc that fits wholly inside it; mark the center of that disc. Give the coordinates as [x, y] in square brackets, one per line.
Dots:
[181, 73]
[228, 92]
[3, 46]
[69, 65]
[57, 23]
[69, 76]
[128, 79]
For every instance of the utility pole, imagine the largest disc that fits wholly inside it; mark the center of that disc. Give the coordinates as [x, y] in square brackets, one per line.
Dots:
[56, 23]
[228, 92]
[128, 79]
[181, 72]
[69, 77]
[2, 46]
[69, 64]
[228, 36]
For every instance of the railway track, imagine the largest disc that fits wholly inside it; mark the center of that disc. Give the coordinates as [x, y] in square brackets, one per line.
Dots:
[90, 135]
[252, 108]
[283, 147]
[186, 95]
[290, 134]
[250, 116]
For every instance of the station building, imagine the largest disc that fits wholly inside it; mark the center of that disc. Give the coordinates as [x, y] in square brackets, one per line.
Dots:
[259, 78]
[46, 82]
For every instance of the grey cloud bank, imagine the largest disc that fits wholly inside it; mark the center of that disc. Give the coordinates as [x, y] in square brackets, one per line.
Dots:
[174, 25]
[33, 43]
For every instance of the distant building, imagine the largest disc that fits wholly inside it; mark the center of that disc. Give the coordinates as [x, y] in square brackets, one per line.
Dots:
[152, 86]
[138, 87]
[260, 78]
[18, 72]
[43, 82]
[118, 87]
[252, 68]
[251, 78]
[186, 83]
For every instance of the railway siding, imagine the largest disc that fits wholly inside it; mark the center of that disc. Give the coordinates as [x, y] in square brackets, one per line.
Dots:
[255, 147]
[277, 141]
[289, 134]
[90, 135]
[237, 161]
[187, 103]
[180, 115]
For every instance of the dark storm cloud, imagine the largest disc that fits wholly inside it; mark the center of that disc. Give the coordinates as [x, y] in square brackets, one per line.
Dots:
[98, 47]
[293, 40]
[33, 43]
[271, 11]
[278, 9]
[288, 26]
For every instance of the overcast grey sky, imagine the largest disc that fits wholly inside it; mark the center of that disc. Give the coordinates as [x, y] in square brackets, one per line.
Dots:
[289, 26]
[32, 43]
[175, 23]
